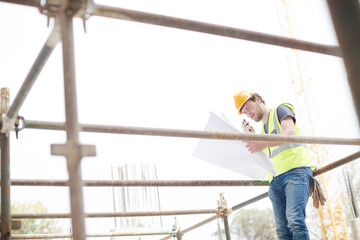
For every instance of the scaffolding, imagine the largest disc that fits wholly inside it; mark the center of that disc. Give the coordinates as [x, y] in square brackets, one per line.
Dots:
[64, 11]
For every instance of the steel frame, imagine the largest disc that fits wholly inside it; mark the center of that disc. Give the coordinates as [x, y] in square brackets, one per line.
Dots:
[346, 19]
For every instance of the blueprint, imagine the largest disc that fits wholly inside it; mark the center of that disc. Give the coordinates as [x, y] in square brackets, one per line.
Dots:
[232, 154]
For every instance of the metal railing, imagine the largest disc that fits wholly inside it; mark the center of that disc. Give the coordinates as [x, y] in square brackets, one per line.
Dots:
[64, 11]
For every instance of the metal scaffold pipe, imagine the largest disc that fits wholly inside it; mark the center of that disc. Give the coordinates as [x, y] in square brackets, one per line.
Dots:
[72, 146]
[190, 133]
[30, 3]
[112, 234]
[173, 183]
[166, 21]
[185, 24]
[5, 170]
[140, 183]
[30, 79]
[337, 163]
[346, 20]
[114, 214]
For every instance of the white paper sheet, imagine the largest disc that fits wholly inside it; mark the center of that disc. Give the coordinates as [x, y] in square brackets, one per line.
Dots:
[232, 154]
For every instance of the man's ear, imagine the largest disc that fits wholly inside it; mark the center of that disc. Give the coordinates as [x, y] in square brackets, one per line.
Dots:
[258, 100]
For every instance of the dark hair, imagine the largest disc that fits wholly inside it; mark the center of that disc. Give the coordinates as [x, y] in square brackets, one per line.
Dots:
[254, 96]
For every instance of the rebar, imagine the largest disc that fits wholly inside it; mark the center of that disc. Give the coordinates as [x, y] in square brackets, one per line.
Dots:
[190, 133]
[351, 192]
[113, 214]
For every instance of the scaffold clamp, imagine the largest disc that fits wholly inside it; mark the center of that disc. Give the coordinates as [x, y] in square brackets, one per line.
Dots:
[64, 149]
[223, 210]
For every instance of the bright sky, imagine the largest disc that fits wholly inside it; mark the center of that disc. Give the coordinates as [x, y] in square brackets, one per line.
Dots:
[136, 74]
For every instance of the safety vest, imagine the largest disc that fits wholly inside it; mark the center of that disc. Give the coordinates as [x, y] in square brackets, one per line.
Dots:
[289, 155]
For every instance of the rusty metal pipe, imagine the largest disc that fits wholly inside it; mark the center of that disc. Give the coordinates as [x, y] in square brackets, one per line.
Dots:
[226, 228]
[140, 183]
[5, 171]
[172, 183]
[15, 225]
[166, 21]
[190, 133]
[346, 19]
[30, 79]
[337, 163]
[31, 3]
[248, 202]
[73, 152]
[112, 234]
[113, 214]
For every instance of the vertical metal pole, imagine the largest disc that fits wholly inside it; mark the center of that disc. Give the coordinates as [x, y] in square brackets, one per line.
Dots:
[224, 211]
[219, 230]
[345, 15]
[351, 194]
[5, 171]
[226, 228]
[113, 194]
[73, 154]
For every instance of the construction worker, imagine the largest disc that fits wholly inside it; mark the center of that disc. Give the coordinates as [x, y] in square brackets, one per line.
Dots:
[290, 188]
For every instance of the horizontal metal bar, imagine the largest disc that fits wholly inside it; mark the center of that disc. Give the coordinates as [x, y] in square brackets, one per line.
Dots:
[140, 183]
[191, 133]
[252, 200]
[30, 3]
[113, 214]
[171, 183]
[184, 24]
[166, 21]
[199, 224]
[112, 234]
[337, 163]
[15, 225]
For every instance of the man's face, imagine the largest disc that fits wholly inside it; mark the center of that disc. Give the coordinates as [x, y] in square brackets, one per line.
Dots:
[253, 110]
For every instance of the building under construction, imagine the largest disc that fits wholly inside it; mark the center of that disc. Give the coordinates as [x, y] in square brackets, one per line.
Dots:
[64, 17]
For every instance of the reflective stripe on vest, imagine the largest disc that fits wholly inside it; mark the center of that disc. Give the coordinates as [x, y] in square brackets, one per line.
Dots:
[284, 147]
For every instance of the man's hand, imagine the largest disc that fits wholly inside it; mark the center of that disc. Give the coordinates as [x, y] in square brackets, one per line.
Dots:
[247, 128]
[288, 127]
[254, 147]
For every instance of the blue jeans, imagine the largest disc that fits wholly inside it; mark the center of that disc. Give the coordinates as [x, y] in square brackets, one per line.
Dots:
[289, 194]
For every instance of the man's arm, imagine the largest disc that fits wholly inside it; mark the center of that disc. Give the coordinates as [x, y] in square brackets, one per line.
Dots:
[288, 127]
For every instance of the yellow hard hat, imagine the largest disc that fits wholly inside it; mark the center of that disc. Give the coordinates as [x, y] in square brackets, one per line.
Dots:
[241, 98]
